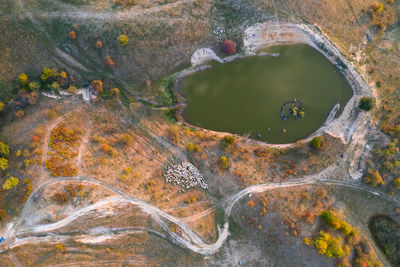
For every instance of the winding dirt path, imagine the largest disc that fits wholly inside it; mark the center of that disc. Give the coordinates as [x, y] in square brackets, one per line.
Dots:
[188, 238]
[82, 147]
[118, 15]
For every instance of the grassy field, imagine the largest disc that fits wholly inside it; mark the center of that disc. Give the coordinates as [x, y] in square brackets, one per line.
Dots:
[162, 37]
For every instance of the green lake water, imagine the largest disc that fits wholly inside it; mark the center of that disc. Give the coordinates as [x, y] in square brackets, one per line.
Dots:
[245, 96]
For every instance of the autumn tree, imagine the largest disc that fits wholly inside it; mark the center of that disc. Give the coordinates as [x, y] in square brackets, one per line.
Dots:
[193, 147]
[3, 215]
[10, 183]
[23, 78]
[19, 113]
[4, 150]
[72, 34]
[229, 47]
[329, 246]
[332, 219]
[127, 139]
[377, 8]
[227, 141]
[223, 162]
[373, 178]
[396, 183]
[63, 75]
[328, 216]
[72, 90]
[34, 86]
[1, 106]
[55, 86]
[98, 85]
[318, 142]
[110, 61]
[115, 92]
[46, 74]
[99, 44]
[61, 197]
[3, 164]
[123, 39]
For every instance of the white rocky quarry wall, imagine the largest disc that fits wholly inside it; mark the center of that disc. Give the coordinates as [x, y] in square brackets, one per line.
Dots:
[267, 34]
[202, 55]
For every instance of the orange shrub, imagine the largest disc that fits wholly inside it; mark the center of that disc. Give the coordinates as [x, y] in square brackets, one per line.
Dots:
[3, 215]
[60, 197]
[58, 168]
[105, 147]
[72, 34]
[99, 44]
[110, 62]
[98, 85]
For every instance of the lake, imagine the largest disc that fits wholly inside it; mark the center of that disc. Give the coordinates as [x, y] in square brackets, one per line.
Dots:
[245, 96]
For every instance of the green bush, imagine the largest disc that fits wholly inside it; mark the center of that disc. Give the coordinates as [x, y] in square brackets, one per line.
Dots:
[227, 141]
[367, 103]
[328, 216]
[318, 142]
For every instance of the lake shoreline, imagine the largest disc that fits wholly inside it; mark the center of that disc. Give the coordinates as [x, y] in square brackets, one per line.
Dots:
[273, 33]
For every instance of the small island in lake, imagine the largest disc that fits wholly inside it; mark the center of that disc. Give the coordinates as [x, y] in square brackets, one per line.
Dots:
[292, 109]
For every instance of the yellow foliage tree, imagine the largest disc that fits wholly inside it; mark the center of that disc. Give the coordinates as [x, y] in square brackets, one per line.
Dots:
[373, 178]
[4, 149]
[63, 75]
[321, 244]
[127, 139]
[46, 74]
[34, 86]
[192, 147]
[307, 241]
[3, 163]
[23, 78]
[98, 85]
[396, 183]
[224, 162]
[19, 113]
[72, 90]
[1, 106]
[115, 92]
[377, 7]
[329, 246]
[123, 39]
[10, 183]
